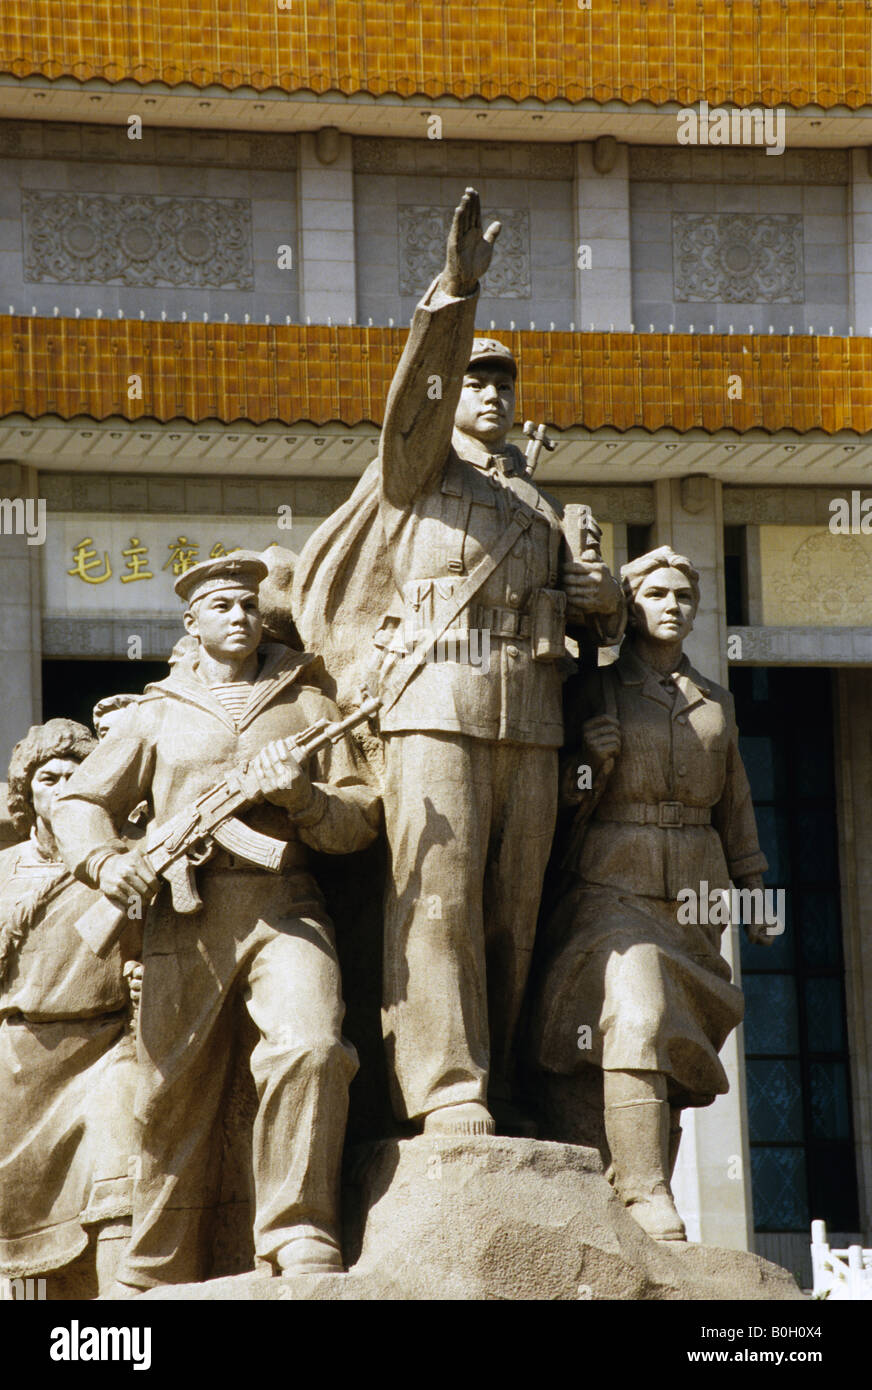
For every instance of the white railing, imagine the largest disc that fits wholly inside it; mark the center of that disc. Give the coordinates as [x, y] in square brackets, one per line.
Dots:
[839, 1274]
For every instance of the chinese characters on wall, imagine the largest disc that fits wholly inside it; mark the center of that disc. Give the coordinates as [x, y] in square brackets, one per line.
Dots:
[93, 568]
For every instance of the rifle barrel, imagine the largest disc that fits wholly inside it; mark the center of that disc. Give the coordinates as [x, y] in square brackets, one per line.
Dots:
[331, 733]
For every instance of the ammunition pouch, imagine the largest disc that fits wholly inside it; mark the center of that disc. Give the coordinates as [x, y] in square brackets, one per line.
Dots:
[548, 625]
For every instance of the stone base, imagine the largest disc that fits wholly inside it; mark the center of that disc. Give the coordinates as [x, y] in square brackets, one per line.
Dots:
[498, 1218]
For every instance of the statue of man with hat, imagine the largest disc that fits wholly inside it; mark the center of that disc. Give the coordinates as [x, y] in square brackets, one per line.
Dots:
[447, 537]
[261, 937]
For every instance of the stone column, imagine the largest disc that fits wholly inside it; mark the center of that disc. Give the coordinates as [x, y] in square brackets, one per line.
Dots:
[860, 236]
[603, 293]
[325, 198]
[20, 619]
[689, 516]
[713, 1176]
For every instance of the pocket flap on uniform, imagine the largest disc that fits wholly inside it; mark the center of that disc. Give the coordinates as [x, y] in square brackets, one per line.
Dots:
[416, 591]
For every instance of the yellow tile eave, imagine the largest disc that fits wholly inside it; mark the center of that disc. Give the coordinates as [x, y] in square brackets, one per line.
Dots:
[774, 53]
[293, 372]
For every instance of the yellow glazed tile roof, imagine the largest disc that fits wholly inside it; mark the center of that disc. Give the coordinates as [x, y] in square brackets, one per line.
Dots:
[790, 52]
[291, 373]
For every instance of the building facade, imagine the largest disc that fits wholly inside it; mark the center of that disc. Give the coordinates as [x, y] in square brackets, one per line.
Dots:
[212, 237]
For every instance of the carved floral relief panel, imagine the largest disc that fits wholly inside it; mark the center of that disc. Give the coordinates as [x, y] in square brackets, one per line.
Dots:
[812, 578]
[105, 238]
[738, 258]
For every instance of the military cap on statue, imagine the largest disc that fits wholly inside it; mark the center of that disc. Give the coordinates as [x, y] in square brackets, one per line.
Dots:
[241, 569]
[497, 354]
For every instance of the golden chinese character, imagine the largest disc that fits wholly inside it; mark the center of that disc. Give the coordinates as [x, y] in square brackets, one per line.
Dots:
[85, 558]
[218, 549]
[183, 554]
[136, 562]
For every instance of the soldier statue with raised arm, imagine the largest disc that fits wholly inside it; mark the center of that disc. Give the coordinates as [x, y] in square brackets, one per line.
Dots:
[446, 537]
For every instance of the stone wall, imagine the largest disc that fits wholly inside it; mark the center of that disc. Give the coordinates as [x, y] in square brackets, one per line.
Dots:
[740, 238]
[405, 192]
[179, 222]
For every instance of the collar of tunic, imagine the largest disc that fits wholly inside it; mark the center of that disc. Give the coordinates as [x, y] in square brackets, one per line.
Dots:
[690, 688]
[508, 460]
[280, 668]
[32, 858]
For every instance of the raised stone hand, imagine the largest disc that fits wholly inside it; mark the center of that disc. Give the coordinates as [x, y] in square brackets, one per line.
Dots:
[469, 250]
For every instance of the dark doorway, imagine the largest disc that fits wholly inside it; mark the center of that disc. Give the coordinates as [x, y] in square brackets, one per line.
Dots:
[71, 689]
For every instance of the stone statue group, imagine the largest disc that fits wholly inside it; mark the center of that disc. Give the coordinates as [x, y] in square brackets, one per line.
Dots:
[532, 984]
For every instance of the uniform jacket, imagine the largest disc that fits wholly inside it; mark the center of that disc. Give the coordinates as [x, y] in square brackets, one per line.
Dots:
[442, 510]
[179, 740]
[683, 750]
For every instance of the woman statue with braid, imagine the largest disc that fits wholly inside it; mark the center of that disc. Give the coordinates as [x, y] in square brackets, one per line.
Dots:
[635, 991]
[67, 1061]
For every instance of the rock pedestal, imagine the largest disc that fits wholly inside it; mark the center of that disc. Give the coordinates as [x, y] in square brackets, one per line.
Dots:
[499, 1218]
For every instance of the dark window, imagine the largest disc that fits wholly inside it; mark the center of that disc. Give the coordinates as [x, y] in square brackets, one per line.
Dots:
[735, 576]
[796, 1049]
[638, 541]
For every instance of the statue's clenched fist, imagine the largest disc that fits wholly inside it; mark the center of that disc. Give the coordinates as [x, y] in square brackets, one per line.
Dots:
[123, 876]
[133, 972]
[283, 780]
[601, 741]
[469, 250]
[758, 933]
[590, 588]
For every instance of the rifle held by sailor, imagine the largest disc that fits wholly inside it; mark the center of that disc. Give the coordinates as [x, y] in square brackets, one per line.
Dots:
[175, 847]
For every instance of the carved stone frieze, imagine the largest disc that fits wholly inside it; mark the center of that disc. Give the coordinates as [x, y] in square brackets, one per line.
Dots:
[623, 504]
[658, 162]
[104, 238]
[373, 156]
[108, 637]
[736, 164]
[469, 158]
[821, 166]
[798, 646]
[158, 145]
[422, 232]
[10, 139]
[551, 161]
[738, 258]
[751, 506]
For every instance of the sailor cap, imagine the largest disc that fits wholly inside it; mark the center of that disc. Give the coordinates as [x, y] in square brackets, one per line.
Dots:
[241, 569]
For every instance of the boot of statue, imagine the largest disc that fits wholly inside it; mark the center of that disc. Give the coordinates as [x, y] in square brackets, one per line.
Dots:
[637, 1122]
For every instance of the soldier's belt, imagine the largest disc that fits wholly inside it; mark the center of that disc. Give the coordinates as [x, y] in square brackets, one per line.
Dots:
[501, 622]
[669, 815]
